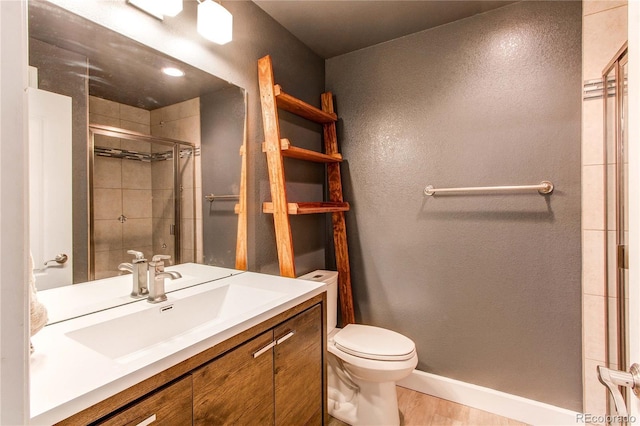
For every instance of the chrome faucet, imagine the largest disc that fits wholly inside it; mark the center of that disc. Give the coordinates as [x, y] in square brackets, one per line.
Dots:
[138, 267]
[157, 274]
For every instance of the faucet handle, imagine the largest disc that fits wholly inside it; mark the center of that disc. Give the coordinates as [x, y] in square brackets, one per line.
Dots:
[158, 257]
[139, 256]
[158, 260]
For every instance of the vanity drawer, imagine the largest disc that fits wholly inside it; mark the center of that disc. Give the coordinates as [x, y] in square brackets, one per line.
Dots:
[169, 406]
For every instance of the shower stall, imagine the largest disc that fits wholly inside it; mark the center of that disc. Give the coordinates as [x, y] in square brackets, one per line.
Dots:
[141, 197]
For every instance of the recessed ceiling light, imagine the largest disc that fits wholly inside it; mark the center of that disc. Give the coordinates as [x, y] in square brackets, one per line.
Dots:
[173, 72]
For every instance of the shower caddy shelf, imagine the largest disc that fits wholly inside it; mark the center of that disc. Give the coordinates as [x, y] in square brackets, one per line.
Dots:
[272, 98]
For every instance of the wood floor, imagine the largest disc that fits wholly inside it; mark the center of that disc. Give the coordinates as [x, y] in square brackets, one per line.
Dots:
[418, 409]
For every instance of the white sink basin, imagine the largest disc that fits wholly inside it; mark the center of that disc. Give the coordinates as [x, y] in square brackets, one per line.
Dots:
[131, 336]
[67, 302]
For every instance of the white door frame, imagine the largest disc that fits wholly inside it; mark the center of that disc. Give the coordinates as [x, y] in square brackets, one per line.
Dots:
[14, 319]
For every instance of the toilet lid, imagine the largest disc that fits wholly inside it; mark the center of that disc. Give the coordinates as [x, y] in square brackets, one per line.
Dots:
[366, 341]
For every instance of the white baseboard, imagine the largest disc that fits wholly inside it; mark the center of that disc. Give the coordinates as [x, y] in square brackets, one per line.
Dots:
[500, 403]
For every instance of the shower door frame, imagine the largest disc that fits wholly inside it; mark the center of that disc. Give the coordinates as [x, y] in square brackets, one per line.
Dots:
[621, 252]
[175, 147]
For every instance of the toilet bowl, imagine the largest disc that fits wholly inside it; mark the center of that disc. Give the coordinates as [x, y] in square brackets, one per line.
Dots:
[364, 363]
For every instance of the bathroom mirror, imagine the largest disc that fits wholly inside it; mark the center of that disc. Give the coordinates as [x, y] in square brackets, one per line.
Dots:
[128, 122]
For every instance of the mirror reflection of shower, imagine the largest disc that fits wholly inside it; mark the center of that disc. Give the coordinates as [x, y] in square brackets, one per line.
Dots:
[142, 187]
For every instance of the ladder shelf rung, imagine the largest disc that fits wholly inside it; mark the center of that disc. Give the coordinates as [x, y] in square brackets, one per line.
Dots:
[301, 108]
[291, 151]
[309, 207]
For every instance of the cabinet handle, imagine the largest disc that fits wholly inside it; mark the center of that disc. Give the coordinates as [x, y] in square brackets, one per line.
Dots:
[147, 421]
[263, 350]
[285, 337]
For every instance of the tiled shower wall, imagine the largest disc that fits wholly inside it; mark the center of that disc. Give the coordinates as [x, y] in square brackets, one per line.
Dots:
[121, 187]
[143, 191]
[182, 121]
[604, 30]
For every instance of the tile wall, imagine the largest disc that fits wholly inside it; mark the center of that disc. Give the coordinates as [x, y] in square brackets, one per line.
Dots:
[182, 121]
[604, 30]
[121, 188]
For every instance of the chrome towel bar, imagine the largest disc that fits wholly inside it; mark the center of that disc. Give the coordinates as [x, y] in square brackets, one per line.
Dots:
[211, 198]
[544, 187]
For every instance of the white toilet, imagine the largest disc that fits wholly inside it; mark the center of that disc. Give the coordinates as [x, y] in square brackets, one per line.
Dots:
[363, 366]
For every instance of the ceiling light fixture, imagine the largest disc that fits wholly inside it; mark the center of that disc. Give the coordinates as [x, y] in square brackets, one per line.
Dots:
[215, 23]
[171, 7]
[158, 8]
[173, 72]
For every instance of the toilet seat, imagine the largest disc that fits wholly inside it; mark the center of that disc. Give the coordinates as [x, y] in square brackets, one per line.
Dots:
[369, 342]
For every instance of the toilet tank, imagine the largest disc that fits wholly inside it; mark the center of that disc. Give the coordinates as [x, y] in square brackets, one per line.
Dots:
[330, 278]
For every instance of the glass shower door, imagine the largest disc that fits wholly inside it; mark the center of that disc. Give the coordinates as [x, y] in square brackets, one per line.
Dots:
[622, 225]
[134, 187]
[617, 196]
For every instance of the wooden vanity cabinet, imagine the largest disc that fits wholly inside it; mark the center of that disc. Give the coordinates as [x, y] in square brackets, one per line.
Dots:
[270, 374]
[283, 365]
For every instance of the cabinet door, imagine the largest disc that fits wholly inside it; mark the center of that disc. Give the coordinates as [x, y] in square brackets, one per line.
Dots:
[236, 388]
[169, 406]
[298, 369]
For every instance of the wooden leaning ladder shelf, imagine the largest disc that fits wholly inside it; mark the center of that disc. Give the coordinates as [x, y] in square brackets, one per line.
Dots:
[273, 97]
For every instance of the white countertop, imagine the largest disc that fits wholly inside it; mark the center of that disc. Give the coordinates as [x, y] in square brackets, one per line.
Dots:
[68, 376]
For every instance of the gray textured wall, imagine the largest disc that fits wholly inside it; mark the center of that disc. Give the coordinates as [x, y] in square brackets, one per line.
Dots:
[487, 286]
[301, 73]
[221, 130]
